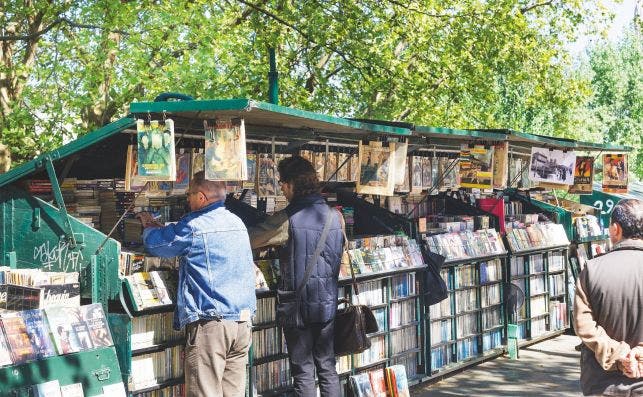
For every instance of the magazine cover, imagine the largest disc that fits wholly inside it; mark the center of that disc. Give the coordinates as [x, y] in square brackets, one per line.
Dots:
[60, 320]
[82, 333]
[448, 168]
[251, 160]
[416, 174]
[133, 182]
[583, 175]
[552, 166]
[476, 167]
[225, 150]
[397, 382]
[378, 383]
[500, 165]
[38, 332]
[319, 162]
[354, 167]
[18, 339]
[615, 173]
[331, 167]
[5, 352]
[94, 317]
[344, 163]
[198, 160]
[377, 169]
[267, 183]
[361, 385]
[156, 153]
[182, 181]
[400, 162]
[427, 182]
[405, 186]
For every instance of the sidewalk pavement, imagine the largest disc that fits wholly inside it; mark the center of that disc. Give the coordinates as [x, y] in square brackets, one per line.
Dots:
[549, 368]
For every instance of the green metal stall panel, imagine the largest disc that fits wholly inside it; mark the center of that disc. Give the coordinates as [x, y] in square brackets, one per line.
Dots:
[93, 368]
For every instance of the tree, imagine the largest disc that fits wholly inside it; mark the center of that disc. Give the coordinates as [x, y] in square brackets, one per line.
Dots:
[70, 67]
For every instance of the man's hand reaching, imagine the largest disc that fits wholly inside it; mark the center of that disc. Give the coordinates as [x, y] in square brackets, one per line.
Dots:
[147, 220]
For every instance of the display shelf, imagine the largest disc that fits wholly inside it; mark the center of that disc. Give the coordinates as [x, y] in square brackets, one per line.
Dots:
[267, 359]
[405, 353]
[411, 324]
[279, 391]
[495, 327]
[548, 335]
[161, 385]
[441, 318]
[373, 364]
[539, 250]
[157, 348]
[403, 298]
[462, 261]
[379, 275]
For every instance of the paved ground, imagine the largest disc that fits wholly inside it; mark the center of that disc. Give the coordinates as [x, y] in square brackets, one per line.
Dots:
[549, 368]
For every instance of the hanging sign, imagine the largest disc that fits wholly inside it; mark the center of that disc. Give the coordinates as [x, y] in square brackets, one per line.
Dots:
[476, 167]
[615, 173]
[377, 169]
[583, 175]
[552, 166]
[156, 152]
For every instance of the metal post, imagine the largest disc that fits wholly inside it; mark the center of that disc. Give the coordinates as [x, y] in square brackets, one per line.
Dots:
[273, 78]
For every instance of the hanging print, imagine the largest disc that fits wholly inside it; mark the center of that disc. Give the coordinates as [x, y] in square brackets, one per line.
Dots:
[377, 169]
[552, 166]
[583, 175]
[476, 167]
[156, 158]
[225, 150]
[615, 173]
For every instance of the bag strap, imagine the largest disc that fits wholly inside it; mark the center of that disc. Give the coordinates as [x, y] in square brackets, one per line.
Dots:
[350, 265]
[313, 259]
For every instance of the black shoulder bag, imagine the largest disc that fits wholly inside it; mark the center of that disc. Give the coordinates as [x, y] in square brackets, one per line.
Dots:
[289, 302]
[434, 286]
[353, 322]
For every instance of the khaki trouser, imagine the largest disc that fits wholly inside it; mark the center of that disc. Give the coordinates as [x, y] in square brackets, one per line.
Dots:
[216, 354]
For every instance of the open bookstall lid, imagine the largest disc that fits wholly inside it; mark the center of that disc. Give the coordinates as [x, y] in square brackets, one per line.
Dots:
[103, 147]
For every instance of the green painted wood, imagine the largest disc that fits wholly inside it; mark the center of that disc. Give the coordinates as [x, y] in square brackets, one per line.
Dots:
[254, 106]
[43, 244]
[121, 327]
[93, 368]
[603, 202]
[458, 134]
[72, 147]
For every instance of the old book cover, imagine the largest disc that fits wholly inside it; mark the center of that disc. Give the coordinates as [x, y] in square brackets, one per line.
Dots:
[416, 174]
[398, 385]
[73, 390]
[82, 333]
[361, 385]
[94, 317]
[133, 182]
[344, 163]
[401, 149]
[38, 332]
[405, 186]
[377, 169]
[225, 150]
[156, 150]
[331, 167]
[319, 162]
[5, 351]
[161, 290]
[20, 297]
[476, 167]
[427, 181]
[353, 172]
[198, 160]
[615, 173]
[182, 181]
[251, 160]
[60, 320]
[552, 166]
[15, 331]
[47, 389]
[266, 176]
[61, 295]
[500, 165]
[583, 175]
[449, 169]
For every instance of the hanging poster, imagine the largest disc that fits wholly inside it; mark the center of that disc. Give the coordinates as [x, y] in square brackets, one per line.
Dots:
[615, 173]
[552, 166]
[377, 169]
[225, 150]
[426, 174]
[133, 183]
[344, 164]
[416, 174]
[267, 182]
[583, 175]
[182, 181]
[354, 167]
[400, 162]
[156, 158]
[405, 186]
[476, 167]
[448, 169]
[198, 160]
[319, 162]
[500, 165]
[331, 167]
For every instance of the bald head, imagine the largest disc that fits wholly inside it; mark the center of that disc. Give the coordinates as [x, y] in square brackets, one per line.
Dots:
[203, 192]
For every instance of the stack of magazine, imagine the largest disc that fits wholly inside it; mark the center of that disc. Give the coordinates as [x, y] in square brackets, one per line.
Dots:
[539, 235]
[465, 244]
[382, 253]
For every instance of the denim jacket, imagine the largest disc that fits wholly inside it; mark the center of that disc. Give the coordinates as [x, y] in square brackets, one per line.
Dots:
[216, 271]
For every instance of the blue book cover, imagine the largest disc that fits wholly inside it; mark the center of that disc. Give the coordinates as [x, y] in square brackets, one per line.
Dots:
[38, 332]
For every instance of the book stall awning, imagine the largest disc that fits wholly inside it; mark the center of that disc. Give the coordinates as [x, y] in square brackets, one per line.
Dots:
[264, 118]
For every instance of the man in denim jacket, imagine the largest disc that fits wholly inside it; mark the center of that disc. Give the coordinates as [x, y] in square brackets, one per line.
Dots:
[216, 295]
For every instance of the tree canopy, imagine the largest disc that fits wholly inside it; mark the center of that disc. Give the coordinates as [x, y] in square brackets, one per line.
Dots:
[69, 67]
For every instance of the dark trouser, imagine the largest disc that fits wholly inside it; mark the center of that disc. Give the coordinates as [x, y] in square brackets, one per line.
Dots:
[310, 348]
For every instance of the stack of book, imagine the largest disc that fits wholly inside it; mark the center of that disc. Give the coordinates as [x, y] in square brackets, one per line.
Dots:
[24, 289]
[36, 334]
[151, 289]
[467, 244]
[382, 253]
[539, 235]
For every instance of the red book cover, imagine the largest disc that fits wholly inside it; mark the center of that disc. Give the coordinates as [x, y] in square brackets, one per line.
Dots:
[495, 207]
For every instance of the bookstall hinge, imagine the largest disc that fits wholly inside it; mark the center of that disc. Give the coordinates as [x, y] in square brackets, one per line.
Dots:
[103, 374]
[99, 285]
[55, 188]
